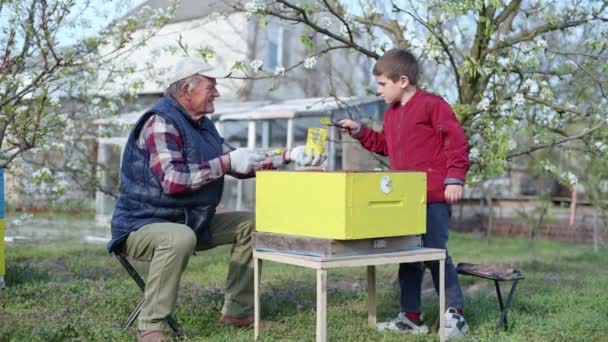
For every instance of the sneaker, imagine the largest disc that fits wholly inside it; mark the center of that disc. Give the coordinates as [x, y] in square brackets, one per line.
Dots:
[404, 324]
[455, 325]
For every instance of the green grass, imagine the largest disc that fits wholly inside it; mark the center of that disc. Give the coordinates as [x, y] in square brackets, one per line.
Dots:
[61, 291]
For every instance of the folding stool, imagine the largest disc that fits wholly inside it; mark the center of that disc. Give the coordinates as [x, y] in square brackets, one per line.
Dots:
[122, 258]
[497, 274]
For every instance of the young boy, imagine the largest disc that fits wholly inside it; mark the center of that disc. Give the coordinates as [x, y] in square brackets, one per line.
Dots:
[420, 133]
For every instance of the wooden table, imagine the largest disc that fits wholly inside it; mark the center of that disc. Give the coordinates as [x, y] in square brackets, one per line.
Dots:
[369, 260]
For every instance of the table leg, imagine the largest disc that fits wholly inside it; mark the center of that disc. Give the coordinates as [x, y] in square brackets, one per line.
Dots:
[371, 296]
[442, 300]
[321, 305]
[257, 263]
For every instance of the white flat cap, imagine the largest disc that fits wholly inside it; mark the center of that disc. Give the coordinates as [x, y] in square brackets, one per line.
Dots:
[186, 67]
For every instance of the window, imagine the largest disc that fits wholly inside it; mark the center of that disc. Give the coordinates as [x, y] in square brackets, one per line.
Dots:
[274, 47]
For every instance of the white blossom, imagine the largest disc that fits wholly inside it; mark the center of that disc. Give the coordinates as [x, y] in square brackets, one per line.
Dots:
[549, 167]
[503, 61]
[541, 43]
[279, 71]
[474, 138]
[518, 99]
[255, 7]
[474, 153]
[483, 104]
[528, 84]
[344, 30]
[570, 178]
[256, 65]
[44, 172]
[325, 22]
[571, 64]
[309, 62]
[600, 146]
[512, 144]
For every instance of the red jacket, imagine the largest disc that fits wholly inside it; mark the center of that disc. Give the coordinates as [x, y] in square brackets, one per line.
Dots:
[424, 135]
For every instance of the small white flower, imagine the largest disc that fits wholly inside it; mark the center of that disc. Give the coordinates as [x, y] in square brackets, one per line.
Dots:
[572, 64]
[483, 104]
[44, 172]
[279, 71]
[528, 84]
[255, 7]
[512, 144]
[309, 62]
[344, 30]
[256, 65]
[600, 146]
[503, 61]
[474, 138]
[549, 167]
[518, 99]
[326, 38]
[474, 153]
[570, 178]
[325, 22]
[541, 43]
[501, 36]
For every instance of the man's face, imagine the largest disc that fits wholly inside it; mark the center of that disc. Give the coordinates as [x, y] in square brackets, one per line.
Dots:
[392, 92]
[200, 97]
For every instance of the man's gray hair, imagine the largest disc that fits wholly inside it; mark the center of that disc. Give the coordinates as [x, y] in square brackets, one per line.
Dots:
[175, 89]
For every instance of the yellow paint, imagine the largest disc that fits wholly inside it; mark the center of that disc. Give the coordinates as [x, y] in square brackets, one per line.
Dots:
[341, 205]
[2, 269]
[316, 139]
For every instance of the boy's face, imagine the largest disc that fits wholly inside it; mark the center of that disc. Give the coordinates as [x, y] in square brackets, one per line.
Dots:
[392, 92]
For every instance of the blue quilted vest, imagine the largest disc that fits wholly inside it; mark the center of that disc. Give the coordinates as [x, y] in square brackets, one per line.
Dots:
[142, 200]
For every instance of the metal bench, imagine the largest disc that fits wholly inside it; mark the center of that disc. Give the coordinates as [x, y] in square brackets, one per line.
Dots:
[497, 274]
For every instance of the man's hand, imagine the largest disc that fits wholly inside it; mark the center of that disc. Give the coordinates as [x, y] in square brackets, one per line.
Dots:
[244, 161]
[348, 126]
[304, 157]
[453, 193]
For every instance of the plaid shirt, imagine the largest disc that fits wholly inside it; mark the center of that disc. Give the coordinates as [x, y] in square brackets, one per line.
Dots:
[164, 143]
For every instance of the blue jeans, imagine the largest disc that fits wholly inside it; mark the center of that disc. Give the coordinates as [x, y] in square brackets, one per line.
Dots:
[410, 274]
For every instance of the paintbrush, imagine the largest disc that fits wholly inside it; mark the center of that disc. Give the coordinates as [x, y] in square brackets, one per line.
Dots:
[328, 122]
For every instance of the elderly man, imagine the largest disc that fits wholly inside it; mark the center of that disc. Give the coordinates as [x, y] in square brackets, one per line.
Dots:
[172, 177]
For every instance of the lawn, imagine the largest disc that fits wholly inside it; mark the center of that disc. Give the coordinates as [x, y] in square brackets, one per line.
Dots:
[67, 290]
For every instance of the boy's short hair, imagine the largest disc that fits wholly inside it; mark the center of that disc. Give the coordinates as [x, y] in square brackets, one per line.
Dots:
[396, 63]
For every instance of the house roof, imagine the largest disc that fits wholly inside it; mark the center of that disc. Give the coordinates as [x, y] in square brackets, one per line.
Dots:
[187, 9]
[262, 110]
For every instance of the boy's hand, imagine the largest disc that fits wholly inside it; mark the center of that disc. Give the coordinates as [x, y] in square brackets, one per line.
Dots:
[453, 193]
[348, 126]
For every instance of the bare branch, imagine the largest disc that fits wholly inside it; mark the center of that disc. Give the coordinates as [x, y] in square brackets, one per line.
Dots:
[304, 19]
[531, 34]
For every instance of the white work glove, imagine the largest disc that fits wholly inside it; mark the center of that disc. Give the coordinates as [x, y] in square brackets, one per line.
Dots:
[245, 161]
[304, 157]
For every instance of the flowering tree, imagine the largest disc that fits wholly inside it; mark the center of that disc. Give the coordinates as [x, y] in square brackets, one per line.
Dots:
[523, 76]
[51, 91]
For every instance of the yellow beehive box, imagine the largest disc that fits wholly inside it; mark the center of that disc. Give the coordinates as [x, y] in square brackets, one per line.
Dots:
[341, 205]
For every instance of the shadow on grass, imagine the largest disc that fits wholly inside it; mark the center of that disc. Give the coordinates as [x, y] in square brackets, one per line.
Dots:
[19, 274]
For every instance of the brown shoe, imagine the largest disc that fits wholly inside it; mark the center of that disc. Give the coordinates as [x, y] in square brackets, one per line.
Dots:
[245, 322]
[151, 336]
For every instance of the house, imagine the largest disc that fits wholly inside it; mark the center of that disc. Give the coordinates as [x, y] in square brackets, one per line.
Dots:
[235, 38]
